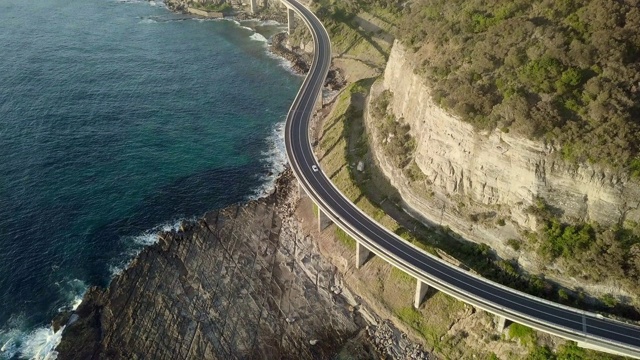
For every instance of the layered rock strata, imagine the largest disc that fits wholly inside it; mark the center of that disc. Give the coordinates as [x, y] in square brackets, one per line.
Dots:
[473, 179]
[500, 168]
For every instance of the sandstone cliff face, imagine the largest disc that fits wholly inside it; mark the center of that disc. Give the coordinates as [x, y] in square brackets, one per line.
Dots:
[493, 173]
[498, 168]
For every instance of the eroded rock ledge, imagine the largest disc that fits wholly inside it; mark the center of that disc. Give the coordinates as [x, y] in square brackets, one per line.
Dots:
[236, 284]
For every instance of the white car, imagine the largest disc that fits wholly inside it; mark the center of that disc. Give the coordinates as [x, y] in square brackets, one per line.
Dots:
[314, 168]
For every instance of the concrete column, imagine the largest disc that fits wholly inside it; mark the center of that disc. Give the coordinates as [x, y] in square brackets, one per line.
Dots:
[421, 291]
[301, 190]
[319, 101]
[323, 220]
[502, 323]
[290, 22]
[362, 253]
[254, 6]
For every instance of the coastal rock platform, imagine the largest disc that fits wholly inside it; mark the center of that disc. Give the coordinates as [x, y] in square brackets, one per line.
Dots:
[242, 282]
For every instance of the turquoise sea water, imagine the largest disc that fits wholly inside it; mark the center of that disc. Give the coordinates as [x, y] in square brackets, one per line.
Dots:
[118, 118]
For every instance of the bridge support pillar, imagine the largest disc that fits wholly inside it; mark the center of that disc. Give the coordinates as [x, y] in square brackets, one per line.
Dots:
[362, 254]
[301, 192]
[319, 101]
[254, 6]
[421, 291]
[290, 20]
[323, 220]
[502, 323]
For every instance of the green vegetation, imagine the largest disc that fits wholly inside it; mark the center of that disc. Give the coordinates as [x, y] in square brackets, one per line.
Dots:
[564, 240]
[398, 143]
[540, 353]
[414, 318]
[342, 144]
[433, 327]
[568, 351]
[563, 71]
[345, 238]
[514, 244]
[525, 334]
[609, 300]
[352, 34]
[212, 6]
[611, 252]
[574, 244]
[401, 275]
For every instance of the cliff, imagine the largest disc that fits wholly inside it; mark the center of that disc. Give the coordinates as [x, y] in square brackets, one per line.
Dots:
[482, 184]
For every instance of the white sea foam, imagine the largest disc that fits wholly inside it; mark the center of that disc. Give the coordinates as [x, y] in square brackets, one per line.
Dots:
[284, 63]
[274, 159]
[9, 338]
[147, 21]
[270, 23]
[17, 338]
[258, 37]
[136, 244]
[40, 343]
[246, 28]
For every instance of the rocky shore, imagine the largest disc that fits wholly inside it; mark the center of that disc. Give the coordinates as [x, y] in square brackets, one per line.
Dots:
[243, 282]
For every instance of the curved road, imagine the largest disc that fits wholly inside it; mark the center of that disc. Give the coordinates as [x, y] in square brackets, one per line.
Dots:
[589, 329]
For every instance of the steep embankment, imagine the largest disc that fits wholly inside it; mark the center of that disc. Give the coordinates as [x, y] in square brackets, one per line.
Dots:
[486, 186]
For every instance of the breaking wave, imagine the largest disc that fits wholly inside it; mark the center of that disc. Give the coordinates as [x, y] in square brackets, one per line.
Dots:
[17, 338]
[274, 161]
[135, 244]
[258, 37]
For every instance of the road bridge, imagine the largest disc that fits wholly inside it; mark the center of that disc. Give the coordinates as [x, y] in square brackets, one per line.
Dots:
[588, 329]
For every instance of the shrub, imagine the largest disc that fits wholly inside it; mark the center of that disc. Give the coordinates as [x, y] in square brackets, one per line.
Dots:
[564, 240]
[563, 296]
[571, 351]
[609, 300]
[514, 244]
[524, 333]
[541, 353]
[345, 238]
[562, 71]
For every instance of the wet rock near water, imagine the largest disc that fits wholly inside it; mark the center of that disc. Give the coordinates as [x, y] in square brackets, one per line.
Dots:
[239, 283]
[300, 62]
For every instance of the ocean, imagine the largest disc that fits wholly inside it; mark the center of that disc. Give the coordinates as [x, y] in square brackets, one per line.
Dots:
[119, 119]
